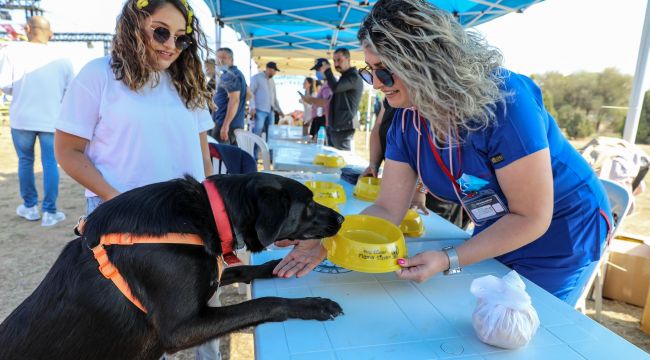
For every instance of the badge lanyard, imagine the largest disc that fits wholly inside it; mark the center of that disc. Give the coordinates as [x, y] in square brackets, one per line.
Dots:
[442, 165]
[483, 205]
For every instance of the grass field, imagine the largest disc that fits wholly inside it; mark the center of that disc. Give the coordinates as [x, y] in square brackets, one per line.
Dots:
[28, 251]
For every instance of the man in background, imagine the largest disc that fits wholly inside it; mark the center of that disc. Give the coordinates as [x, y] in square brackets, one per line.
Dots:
[37, 79]
[230, 99]
[346, 95]
[265, 101]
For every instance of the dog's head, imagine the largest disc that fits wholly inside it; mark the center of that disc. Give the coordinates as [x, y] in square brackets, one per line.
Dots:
[269, 207]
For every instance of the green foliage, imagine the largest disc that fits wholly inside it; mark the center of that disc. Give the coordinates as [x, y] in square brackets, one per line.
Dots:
[583, 100]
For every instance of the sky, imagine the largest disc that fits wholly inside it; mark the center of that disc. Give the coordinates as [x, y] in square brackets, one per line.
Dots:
[554, 35]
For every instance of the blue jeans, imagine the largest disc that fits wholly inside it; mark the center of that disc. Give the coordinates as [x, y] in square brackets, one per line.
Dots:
[262, 121]
[24, 141]
[92, 203]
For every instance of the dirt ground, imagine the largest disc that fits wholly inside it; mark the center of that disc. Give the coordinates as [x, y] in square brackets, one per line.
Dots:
[28, 251]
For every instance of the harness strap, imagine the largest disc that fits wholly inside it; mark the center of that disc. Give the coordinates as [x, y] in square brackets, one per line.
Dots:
[110, 272]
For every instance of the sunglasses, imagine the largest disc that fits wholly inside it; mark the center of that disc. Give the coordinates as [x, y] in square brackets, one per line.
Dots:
[385, 76]
[162, 34]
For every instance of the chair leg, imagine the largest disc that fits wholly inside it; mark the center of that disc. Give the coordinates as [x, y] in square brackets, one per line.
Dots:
[598, 291]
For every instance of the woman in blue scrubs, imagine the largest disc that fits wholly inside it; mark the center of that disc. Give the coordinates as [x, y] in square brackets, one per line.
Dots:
[478, 135]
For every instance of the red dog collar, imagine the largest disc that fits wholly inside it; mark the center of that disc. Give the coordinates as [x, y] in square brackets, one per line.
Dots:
[223, 223]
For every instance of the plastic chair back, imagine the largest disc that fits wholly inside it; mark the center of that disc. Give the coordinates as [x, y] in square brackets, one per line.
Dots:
[246, 140]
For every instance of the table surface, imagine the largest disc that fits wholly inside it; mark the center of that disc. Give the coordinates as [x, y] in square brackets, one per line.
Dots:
[294, 156]
[388, 318]
[286, 132]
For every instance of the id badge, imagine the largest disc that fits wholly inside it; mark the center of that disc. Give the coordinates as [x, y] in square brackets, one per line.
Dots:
[484, 205]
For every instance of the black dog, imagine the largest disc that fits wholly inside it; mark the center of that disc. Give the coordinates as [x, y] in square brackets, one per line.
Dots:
[76, 313]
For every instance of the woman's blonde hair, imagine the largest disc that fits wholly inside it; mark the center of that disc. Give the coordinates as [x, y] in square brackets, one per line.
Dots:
[132, 58]
[451, 75]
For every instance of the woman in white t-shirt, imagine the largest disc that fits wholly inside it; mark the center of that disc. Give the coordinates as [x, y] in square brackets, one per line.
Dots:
[139, 116]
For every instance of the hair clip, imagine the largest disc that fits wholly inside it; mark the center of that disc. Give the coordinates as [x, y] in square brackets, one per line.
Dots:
[142, 4]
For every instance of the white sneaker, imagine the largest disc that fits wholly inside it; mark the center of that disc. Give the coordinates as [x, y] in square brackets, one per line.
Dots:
[50, 219]
[30, 213]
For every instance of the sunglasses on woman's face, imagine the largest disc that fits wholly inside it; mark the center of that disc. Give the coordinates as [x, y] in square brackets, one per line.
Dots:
[162, 34]
[383, 75]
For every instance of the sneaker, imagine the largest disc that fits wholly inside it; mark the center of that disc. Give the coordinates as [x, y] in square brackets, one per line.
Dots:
[50, 219]
[30, 213]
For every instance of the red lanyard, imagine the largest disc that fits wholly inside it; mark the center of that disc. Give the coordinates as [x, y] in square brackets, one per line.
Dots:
[442, 165]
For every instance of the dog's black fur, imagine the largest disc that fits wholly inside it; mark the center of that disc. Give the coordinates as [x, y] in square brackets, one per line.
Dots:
[76, 313]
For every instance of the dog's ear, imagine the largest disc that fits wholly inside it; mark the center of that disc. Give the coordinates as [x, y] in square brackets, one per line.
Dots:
[272, 212]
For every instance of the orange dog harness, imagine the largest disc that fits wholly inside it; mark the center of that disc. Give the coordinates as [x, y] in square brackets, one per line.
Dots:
[224, 229]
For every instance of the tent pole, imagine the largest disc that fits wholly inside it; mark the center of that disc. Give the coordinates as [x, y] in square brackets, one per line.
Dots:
[636, 96]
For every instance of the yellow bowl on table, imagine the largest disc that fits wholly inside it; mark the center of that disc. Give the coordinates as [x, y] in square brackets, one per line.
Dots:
[327, 190]
[329, 160]
[367, 188]
[412, 225]
[366, 244]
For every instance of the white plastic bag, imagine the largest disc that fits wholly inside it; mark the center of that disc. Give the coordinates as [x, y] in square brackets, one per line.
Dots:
[504, 315]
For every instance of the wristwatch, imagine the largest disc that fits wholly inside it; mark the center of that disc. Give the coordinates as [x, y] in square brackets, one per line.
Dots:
[454, 264]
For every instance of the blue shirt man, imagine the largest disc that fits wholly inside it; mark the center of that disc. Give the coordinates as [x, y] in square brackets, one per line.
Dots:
[230, 99]
[581, 213]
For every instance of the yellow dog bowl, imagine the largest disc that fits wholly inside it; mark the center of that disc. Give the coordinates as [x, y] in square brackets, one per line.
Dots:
[412, 225]
[329, 160]
[326, 190]
[366, 244]
[329, 202]
[367, 188]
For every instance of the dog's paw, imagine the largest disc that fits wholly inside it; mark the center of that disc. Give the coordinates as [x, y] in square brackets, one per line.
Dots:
[267, 268]
[317, 308]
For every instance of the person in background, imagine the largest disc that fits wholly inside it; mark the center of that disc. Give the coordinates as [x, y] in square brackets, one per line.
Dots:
[321, 102]
[346, 96]
[210, 65]
[309, 86]
[265, 101]
[479, 135]
[37, 78]
[230, 99]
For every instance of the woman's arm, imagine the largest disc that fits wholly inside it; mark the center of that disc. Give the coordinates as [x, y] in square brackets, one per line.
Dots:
[69, 150]
[394, 199]
[374, 151]
[397, 187]
[205, 153]
[528, 186]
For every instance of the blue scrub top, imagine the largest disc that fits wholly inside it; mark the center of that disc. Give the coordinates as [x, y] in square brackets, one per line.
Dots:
[521, 127]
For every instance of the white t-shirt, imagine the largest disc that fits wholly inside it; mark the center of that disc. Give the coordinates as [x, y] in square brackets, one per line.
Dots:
[37, 77]
[136, 138]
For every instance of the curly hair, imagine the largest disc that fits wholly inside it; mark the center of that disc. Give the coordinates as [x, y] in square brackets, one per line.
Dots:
[132, 57]
[451, 74]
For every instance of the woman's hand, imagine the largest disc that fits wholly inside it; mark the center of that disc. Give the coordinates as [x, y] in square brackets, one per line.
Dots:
[371, 170]
[419, 201]
[304, 257]
[422, 266]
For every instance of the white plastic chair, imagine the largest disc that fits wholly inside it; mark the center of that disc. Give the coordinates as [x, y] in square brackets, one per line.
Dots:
[620, 201]
[246, 140]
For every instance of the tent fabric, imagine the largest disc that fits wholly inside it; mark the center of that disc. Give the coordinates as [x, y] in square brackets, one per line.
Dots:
[327, 24]
[294, 33]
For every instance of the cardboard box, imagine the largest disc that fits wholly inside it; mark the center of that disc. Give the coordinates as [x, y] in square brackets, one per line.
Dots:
[628, 272]
[645, 320]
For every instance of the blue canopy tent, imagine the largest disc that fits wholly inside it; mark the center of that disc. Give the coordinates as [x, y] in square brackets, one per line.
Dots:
[306, 29]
